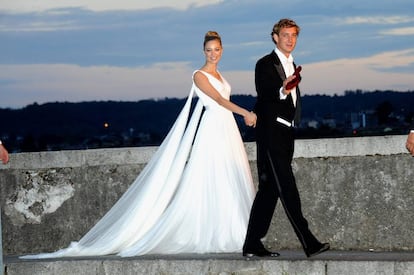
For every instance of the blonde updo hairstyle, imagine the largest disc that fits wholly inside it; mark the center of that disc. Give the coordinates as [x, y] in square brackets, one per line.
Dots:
[211, 35]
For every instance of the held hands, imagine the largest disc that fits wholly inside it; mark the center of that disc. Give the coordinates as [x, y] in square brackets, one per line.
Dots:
[410, 143]
[250, 119]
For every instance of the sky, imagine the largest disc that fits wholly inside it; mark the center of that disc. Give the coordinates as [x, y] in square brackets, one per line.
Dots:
[129, 50]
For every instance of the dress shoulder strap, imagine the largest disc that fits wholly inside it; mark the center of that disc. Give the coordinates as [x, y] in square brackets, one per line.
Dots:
[201, 71]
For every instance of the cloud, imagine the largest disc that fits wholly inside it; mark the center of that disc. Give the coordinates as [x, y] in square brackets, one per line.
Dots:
[23, 6]
[376, 72]
[399, 31]
[376, 20]
[42, 26]
[25, 84]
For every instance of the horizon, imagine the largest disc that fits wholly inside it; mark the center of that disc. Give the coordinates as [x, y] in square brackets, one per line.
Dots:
[343, 94]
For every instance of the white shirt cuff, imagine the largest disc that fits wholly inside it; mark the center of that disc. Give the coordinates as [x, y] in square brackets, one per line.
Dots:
[282, 96]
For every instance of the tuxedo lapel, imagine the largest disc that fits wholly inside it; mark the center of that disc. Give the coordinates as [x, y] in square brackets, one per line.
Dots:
[278, 65]
[298, 110]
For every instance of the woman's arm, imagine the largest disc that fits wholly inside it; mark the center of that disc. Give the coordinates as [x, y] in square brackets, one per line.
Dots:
[204, 85]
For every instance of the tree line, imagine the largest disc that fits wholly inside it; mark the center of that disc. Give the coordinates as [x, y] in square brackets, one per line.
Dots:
[97, 124]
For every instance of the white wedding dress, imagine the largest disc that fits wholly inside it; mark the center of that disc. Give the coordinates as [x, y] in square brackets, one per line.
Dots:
[194, 195]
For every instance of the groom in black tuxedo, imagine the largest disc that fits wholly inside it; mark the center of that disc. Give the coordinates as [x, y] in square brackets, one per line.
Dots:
[278, 111]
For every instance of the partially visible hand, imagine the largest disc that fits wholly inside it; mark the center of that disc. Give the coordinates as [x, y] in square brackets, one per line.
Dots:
[250, 119]
[4, 155]
[288, 80]
[410, 143]
[295, 81]
[290, 83]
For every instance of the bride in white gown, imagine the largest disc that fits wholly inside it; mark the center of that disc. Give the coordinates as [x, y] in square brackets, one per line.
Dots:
[195, 194]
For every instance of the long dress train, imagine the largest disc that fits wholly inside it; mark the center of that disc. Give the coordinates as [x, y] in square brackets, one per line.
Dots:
[193, 196]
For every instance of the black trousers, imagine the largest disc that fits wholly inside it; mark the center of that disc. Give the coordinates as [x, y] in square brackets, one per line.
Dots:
[277, 181]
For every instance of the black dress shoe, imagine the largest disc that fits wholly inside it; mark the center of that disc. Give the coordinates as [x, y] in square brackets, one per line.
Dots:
[322, 248]
[262, 252]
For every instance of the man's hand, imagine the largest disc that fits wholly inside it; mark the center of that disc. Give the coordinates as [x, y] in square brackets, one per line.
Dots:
[410, 143]
[288, 80]
[295, 80]
[4, 155]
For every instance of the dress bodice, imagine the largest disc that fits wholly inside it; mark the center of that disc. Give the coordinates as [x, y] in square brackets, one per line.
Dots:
[222, 86]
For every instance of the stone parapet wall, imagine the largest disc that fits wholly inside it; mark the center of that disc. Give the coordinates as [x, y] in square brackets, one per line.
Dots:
[357, 193]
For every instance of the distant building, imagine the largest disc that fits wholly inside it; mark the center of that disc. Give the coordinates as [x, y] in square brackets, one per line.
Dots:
[313, 124]
[330, 122]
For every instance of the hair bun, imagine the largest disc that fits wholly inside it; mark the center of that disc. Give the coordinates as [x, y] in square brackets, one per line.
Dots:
[211, 35]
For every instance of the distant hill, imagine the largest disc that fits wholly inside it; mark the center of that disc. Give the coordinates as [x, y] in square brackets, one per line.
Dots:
[355, 101]
[96, 124]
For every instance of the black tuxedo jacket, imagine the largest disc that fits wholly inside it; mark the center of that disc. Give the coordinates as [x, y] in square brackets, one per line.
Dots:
[269, 77]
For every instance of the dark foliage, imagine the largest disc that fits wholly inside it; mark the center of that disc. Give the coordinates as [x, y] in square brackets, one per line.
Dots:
[63, 125]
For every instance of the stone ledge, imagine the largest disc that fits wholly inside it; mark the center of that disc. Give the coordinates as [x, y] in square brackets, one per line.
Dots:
[304, 148]
[290, 262]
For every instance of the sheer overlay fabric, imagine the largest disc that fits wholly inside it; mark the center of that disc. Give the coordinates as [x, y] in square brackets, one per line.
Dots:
[193, 196]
